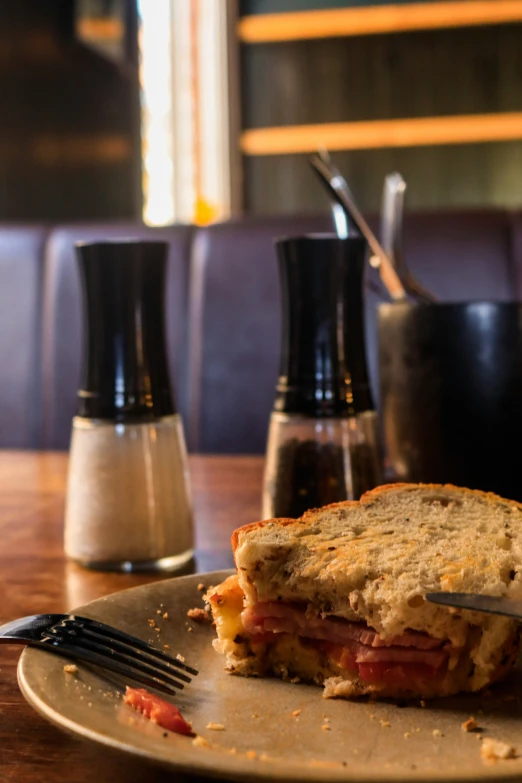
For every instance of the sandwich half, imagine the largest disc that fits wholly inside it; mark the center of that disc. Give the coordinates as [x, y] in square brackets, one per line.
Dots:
[337, 597]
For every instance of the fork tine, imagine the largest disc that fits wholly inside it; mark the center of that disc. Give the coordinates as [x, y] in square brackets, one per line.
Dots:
[133, 641]
[170, 678]
[75, 636]
[107, 661]
[138, 655]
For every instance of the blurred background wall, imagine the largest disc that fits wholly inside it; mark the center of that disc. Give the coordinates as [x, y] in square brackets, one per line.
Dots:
[193, 110]
[70, 112]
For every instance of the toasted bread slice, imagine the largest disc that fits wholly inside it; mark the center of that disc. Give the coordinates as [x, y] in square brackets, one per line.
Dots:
[369, 564]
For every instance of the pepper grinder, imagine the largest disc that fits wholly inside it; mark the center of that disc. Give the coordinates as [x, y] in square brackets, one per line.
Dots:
[323, 442]
[128, 497]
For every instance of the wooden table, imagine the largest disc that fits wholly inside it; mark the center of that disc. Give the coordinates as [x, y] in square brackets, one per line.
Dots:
[36, 578]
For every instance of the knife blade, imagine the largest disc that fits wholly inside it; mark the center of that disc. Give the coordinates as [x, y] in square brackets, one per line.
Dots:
[491, 604]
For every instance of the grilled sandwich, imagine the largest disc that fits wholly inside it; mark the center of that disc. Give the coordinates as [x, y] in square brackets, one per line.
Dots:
[337, 597]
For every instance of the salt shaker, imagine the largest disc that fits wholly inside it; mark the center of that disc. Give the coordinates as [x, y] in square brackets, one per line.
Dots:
[323, 441]
[128, 496]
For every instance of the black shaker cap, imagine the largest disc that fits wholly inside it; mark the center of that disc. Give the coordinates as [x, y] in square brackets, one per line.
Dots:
[323, 370]
[125, 374]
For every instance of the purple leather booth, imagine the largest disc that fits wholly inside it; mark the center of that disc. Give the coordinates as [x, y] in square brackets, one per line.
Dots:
[21, 268]
[223, 315]
[234, 318]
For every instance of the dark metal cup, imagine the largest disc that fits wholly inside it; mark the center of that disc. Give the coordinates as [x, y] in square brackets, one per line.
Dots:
[451, 393]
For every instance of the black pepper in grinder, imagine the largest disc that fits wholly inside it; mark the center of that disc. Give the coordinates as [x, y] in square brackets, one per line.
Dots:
[323, 444]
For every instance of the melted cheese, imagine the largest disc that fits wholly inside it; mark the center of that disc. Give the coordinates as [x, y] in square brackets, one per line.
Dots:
[227, 604]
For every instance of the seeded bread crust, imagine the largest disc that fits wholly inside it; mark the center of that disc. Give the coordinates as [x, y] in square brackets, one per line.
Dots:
[368, 497]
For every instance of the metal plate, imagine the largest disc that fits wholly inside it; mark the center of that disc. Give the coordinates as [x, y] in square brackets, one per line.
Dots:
[262, 739]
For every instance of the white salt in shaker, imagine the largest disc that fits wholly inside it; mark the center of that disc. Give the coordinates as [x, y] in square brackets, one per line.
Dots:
[128, 497]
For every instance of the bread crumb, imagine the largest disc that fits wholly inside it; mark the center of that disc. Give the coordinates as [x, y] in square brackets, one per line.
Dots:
[200, 742]
[180, 658]
[417, 729]
[493, 750]
[89, 704]
[199, 615]
[70, 668]
[325, 727]
[385, 724]
[437, 733]
[469, 725]
[407, 735]
[215, 726]
[251, 754]
[423, 703]
[296, 713]
[165, 615]
[201, 587]
[189, 629]
[158, 611]
[372, 716]
[166, 646]
[255, 715]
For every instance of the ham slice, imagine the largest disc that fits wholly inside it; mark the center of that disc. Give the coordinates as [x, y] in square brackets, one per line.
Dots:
[355, 646]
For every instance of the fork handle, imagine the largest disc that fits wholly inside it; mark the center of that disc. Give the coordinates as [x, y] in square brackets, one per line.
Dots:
[28, 629]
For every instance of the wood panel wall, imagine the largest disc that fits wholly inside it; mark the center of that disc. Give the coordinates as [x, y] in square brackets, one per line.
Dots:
[422, 74]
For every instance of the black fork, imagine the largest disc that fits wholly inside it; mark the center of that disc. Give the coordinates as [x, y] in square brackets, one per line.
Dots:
[102, 645]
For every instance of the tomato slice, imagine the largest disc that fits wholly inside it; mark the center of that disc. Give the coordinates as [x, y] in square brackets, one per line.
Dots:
[391, 673]
[383, 672]
[157, 710]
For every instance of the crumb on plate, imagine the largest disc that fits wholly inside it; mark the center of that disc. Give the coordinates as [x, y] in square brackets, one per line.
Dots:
[201, 587]
[70, 668]
[470, 724]
[199, 615]
[407, 735]
[385, 724]
[296, 713]
[215, 726]
[437, 733]
[493, 750]
[200, 742]
[325, 727]
[180, 657]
